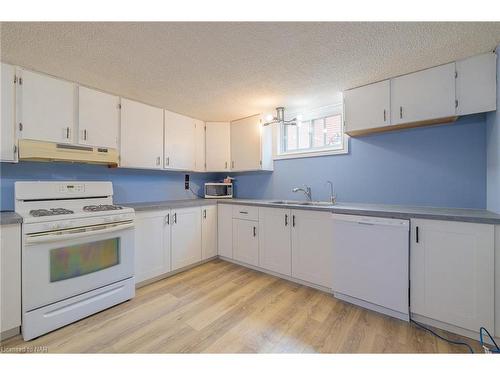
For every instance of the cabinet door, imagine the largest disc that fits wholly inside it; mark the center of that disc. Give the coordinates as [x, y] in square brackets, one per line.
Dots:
[179, 142]
[8, 118]
[275, 252]
[98, 118]
[312, 247]
[451, 272]
[208, 231]
[245, 144]
[225, 230]
[367, 107]
[186, 237]
[199, 143]
[476, 84]
[425, 95]
[152, 244]
[218, 149]
[141, 140]
[46, 108]
[246, 241]
[10, 266]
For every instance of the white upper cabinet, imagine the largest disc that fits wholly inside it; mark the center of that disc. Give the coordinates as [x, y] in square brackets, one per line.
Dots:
[141, 141]
[367, 107]
[452, 272]
[199, 144]
[98, 118]
[425, 95]
[45, 107]
[476, 84]
[180, 147]
[8, 116]
[218, 149]
[246, 144]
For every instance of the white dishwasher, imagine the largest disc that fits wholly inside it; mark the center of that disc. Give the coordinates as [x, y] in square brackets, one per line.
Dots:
[371, 263]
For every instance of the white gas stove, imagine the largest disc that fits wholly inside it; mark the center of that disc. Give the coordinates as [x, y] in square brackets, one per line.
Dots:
[77, 253]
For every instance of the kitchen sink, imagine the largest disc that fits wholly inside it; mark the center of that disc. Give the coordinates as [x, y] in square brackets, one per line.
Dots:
[303, 203]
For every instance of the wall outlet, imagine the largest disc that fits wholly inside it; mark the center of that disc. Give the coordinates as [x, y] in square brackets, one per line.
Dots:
[186, 182]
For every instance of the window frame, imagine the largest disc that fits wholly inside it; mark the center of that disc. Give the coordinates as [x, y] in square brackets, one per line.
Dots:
[318, 114]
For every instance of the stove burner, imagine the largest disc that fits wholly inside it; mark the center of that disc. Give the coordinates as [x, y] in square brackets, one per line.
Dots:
[101, 207]
[50, 212]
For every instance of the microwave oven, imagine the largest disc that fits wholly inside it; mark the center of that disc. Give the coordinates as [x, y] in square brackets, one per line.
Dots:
[218, 190]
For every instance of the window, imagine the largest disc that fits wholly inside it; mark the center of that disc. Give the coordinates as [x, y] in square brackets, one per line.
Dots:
[318, 135]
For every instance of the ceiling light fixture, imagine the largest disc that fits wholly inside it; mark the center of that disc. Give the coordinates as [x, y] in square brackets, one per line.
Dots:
[279, 118]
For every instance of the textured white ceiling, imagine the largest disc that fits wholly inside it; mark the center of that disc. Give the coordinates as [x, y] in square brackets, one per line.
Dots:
[224, 71]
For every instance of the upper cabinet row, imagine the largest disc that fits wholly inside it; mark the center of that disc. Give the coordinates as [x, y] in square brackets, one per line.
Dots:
[43, 108]
[434, 95]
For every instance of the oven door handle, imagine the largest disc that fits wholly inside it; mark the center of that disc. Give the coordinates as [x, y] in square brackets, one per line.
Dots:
[80, 233]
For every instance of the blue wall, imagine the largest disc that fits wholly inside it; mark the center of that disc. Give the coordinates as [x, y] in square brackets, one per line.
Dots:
[441, 166]
[434, 166]
[129, 185]
[493, 153]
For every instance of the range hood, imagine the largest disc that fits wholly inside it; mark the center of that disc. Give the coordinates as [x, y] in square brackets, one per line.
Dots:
[48, 151]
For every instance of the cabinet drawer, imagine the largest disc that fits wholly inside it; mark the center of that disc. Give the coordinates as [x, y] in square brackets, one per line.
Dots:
[246, 212]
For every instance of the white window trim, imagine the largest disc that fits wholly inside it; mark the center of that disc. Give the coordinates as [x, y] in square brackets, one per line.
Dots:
[309, 153]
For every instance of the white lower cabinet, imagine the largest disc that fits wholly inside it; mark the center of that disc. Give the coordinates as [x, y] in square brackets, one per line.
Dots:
[186, 236]
[10, 277]
[208, 231]
[275, 251]
[312, 247]
[225, 230]
[152, 244]
[246, 241]
[452, 273]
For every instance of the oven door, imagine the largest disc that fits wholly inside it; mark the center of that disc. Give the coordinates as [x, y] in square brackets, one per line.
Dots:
[62, 264]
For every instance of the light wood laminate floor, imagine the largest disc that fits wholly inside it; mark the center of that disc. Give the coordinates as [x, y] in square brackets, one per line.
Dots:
[220, 307]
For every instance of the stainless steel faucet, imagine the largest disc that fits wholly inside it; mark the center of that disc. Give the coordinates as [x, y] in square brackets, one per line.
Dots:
[306, 190]
[333, 196]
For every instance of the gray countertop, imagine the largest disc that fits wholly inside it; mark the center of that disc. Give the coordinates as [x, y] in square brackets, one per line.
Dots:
[10, 217]
[166, 205]
[389, 211]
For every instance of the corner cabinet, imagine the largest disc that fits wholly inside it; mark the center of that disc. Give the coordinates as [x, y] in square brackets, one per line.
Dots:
[45, 107]
[251, 145]
[218, 146]
[452, 273]
[141, 141]
[375, 102]
[8, 145]
[98, 118]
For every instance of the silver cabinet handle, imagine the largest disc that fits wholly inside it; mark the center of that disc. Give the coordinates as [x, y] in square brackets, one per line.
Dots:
[232, 164]
[254, 231]
[293, 221]
[158, 159]
[67, 132]
[385, 116]
[204, 213]
[167, 219]
[84, 134]
[225, 165]
[167, 161]
[401, 112]
[286, 220]
[175, 218]
[244, 212]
